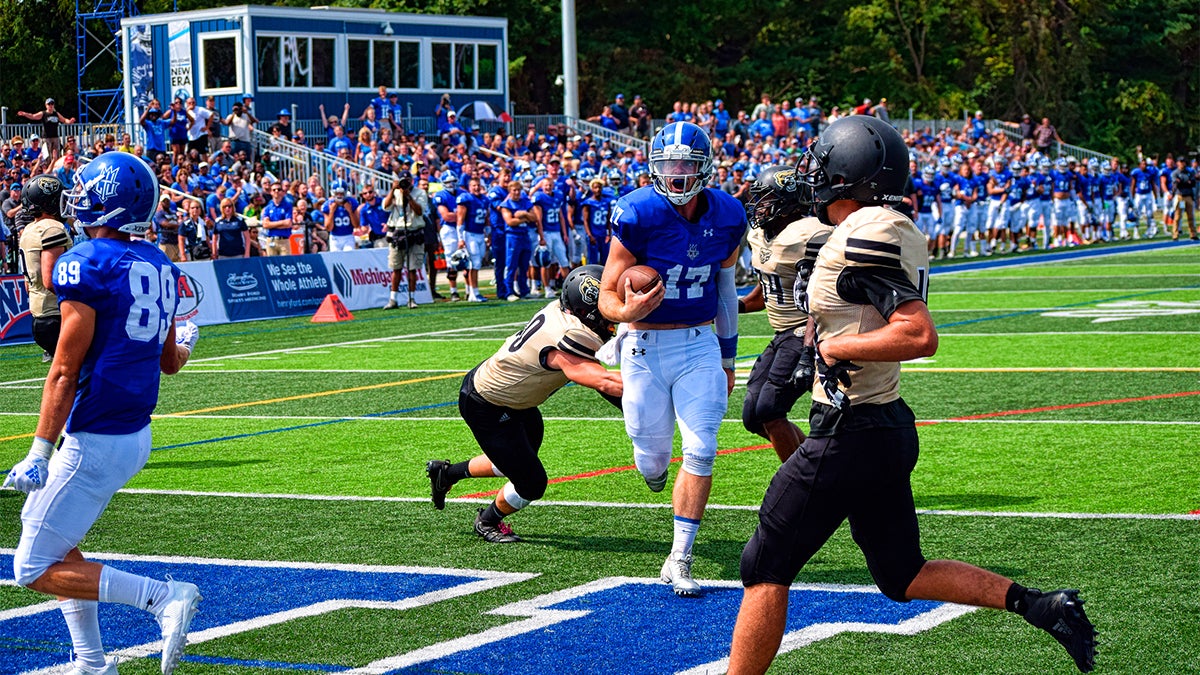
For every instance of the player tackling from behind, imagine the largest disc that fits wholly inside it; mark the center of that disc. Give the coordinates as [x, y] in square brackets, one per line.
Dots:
[118, 300]
[867, 295]
[499, 400]
[675, 367]
[784, 240]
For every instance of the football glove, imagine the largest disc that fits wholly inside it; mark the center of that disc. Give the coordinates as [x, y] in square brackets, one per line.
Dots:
[30, 473]
[186, 335]
[805, 368]
[831, 376]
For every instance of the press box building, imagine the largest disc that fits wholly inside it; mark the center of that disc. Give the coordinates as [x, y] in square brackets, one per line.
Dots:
[285, 56]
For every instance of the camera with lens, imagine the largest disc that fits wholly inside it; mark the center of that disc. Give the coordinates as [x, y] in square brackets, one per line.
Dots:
[404, 181]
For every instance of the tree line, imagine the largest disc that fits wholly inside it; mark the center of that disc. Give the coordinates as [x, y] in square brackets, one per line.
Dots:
[1111, 75]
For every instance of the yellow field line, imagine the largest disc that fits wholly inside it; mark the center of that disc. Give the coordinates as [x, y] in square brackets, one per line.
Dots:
[318, 394]
[297, 397]
[908, 369]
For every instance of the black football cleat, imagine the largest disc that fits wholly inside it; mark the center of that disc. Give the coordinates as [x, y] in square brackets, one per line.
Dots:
[438, 471]
[1060, 613]
[500, 533]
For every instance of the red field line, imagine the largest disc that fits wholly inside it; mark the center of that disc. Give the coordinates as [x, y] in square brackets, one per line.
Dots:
[980, 416]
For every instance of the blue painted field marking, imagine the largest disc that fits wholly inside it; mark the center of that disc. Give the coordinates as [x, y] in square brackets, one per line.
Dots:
[638, 627]
[239, 596]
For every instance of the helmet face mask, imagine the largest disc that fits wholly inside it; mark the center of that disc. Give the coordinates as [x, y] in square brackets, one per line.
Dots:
[777, 198]
[116, 190]
[680, 162]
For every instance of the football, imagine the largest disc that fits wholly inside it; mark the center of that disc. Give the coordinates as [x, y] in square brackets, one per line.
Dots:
[643, 277]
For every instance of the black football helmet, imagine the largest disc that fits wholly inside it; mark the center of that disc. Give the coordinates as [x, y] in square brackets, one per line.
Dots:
[859, 157]
[43, 194]
[777, 198]
[581, 297]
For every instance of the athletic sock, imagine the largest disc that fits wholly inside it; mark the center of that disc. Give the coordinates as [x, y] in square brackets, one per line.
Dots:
[395, 296]
[491, 515]
[459, 471]
[1018, 598]
[83, 622]
[685, 535]
[131, 589]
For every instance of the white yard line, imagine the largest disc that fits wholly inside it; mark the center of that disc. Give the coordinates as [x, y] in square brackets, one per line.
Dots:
[389, 338]
[620, 505]
[1062, 291]
[330, 370]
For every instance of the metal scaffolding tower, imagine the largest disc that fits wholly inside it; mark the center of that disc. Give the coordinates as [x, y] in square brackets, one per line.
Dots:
[98, 52]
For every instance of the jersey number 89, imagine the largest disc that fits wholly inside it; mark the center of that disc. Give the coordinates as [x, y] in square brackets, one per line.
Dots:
[154, 297]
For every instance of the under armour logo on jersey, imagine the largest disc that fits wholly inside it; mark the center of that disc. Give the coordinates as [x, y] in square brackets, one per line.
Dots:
[764, 255]
[637, 351]
[708, 233]
[693, 252]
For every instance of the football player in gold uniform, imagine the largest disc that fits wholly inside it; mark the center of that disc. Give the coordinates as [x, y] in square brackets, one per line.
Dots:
[499, 399]
[784, 239]
[867, 297]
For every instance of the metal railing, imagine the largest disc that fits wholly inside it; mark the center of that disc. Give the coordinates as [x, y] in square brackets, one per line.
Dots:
[292, 161]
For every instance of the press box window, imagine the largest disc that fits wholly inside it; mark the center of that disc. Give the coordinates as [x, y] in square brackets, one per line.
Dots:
[220, 56]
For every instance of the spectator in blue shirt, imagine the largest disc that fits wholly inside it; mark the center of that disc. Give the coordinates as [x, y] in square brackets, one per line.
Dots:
[155, 127]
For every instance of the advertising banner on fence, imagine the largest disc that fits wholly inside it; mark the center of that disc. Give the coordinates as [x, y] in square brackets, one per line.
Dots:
[179, 46]
[199, 295]
[16, 323]
[262, 288]
[363, 279]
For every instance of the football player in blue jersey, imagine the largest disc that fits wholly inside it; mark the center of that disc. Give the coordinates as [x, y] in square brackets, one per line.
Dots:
[674, 365]
[445, 203]
[1143, 198]
[552, 230]
[945, 183]
[998, 183]
[515, 210]
[341, 220]
[597, 207]
[928, 196]
[1017, 216]
[964, 196]
[472, 211]
[118, 298]
[1041, 211]
[1064, 212]
[495, 195]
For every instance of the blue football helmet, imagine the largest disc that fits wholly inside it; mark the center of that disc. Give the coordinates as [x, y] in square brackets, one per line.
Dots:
[1106, 169]
[1016, 166]
[681, 163]
[1044, 165]
[460, 260]
[944, 165]
[117, 190]
[540, 257]
[585, 175]
[1061, 163]
[448, 179]
[928, 172]
[614, 177]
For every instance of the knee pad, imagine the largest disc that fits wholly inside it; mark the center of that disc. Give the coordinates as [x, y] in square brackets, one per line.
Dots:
[698, 461]
[516, 500]
[651, 456]
[750, 417]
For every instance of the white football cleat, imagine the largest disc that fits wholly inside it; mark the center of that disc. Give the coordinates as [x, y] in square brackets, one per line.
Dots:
[677, 571]
[174, 618]
[110, 668]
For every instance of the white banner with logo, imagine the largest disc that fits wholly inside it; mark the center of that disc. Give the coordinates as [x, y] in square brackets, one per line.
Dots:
[199, 295]
[363, 279]
[179, 41]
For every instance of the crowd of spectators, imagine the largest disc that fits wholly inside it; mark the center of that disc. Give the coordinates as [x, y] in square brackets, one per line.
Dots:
[227, 200]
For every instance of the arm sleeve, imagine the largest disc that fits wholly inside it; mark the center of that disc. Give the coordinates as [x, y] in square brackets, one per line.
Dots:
[726, 320]
[884, 288]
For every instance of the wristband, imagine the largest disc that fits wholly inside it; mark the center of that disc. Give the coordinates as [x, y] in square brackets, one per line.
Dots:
[728, 346]
[41, 447]
[727, 364]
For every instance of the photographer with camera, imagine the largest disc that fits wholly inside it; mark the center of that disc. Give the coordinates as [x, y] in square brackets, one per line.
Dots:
[240, 123]
[405, 236]
[191, 234]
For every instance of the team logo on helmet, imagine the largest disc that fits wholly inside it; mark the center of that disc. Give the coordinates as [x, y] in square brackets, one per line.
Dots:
[786, 180]
[105, 184]
[589, 290]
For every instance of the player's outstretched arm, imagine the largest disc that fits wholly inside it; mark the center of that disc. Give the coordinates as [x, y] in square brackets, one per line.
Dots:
[586, 372]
